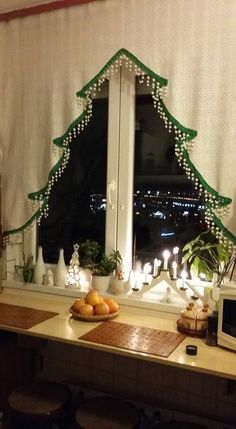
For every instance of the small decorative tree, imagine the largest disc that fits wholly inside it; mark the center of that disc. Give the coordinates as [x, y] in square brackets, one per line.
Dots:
[73, 276]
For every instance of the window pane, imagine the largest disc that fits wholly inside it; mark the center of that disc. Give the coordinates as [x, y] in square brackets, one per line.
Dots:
[77, 202]
[167, 210]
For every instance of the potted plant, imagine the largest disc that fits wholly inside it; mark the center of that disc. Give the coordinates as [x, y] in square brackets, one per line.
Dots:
[26, 269]
[102, 271]
[100, 265]
[206, 255]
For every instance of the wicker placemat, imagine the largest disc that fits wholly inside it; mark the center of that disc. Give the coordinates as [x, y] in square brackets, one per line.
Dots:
[136, 338]
[22, 317]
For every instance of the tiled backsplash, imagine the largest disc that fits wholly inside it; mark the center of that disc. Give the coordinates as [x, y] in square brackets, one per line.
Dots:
[206, 398]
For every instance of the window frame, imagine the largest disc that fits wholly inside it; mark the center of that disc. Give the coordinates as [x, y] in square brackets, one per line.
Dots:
[120, 165]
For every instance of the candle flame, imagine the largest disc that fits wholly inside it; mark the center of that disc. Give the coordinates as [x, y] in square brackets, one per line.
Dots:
[147, 268]
[166, 254]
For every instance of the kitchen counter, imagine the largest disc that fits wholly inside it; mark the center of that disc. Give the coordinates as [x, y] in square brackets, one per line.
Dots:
[63, 328]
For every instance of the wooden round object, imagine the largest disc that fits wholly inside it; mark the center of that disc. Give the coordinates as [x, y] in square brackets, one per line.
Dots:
[95, 318]
[39, 400]
[181, 425]
[107, 413]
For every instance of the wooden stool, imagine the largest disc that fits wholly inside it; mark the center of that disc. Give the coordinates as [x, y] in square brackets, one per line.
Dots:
[181, 425]
[40, 405]
[107, 413]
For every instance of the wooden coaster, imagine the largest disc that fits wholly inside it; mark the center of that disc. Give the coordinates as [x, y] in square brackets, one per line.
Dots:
[22, 317]
[136, 338]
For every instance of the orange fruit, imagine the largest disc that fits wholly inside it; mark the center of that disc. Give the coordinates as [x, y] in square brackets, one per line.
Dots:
[112, 304]
[92, 298]
[101, 309]
[77, 304]
[86, 310]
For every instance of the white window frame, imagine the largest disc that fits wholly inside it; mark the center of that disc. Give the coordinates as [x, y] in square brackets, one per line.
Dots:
[120, 165]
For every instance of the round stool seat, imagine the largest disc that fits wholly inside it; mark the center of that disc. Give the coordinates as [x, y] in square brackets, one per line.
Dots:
[107, 413]
[43, 401]
[181, 425]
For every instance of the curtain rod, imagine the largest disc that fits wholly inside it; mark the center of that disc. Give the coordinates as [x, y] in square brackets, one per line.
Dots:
[34, 10]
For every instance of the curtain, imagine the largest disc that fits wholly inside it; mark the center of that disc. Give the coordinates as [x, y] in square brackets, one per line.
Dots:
[46, 59]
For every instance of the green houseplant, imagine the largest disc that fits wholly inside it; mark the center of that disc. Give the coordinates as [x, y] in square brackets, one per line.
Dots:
[206, 255]
[100, 264]
[92, 257]
[109, 264]
[26, 269]
[89, 252]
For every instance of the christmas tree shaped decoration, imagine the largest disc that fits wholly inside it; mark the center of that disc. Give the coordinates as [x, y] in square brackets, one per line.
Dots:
[217, 206]
[73, 276]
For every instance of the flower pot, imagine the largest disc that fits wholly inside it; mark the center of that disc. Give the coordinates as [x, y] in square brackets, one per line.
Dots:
[100, 283]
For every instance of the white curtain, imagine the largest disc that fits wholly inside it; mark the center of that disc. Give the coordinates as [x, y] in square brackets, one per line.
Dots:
[45, 59]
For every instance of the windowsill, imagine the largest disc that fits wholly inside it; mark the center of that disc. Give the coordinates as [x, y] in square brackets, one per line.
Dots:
[149, 302]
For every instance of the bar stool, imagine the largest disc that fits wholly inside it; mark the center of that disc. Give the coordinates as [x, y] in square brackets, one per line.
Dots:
[181, 425]
[40, 405]
[107, 413]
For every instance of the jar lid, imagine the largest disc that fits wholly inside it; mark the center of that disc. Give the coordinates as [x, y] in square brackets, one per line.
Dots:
[191, 349]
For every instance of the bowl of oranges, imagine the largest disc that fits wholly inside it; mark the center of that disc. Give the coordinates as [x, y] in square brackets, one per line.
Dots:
[93, 308]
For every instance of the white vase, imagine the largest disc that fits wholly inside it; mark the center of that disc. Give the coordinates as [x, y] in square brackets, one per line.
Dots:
[61, 270]
[118, 286]
[39, 269]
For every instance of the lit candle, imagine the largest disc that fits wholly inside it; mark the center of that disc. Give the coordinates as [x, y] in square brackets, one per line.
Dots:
[175, 252]
[157, 264]
[166, 255]
[183, 276]
[174, 266]
[146, 269]
[134, 276]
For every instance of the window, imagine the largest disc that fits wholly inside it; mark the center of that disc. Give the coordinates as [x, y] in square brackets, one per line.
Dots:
[122, 186]
[78, 201]
[168, 212]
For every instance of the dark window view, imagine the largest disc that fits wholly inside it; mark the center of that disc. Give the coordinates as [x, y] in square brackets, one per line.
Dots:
[167, 210]
[82, 188]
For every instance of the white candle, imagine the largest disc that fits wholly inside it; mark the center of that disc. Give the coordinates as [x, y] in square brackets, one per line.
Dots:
[157, 264]
[183, 276]
[175, 252]
[146, 269]
[166, 255]
[174, 266]
[134, 275]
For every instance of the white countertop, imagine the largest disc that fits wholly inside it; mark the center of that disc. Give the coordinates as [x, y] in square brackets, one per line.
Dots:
[211, 360]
